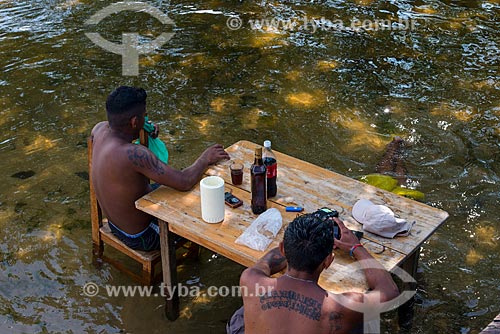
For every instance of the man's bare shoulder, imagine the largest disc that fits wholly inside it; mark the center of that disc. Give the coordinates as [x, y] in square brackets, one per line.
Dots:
[99, 127]
[252, 276]
[338, 311]
[109, 146]
[345, 299]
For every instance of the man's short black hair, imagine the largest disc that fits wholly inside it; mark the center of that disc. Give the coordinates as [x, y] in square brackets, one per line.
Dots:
[123, 104]
[308, 241]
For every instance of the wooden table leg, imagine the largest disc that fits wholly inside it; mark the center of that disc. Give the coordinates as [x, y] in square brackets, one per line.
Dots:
[169, 267]
[406, 311]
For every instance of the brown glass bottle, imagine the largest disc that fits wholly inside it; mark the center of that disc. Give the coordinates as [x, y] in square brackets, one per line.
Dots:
[258, 181]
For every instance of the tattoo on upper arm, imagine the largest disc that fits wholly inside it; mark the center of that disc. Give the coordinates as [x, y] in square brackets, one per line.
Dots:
[143, 158]
[292, 301]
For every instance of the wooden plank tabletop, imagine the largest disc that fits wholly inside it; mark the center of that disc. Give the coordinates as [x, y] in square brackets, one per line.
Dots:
[183, 212]
[312, 187]
[299, 183]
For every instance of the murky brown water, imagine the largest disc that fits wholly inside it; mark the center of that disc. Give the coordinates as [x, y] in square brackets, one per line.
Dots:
[333, 98]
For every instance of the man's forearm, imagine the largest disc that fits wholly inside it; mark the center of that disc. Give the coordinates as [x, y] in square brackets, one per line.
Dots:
[376, 276]
[192, 174]
[272, 262]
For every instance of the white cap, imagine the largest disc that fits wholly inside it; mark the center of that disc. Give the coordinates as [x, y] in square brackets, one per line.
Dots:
[379, 219]
[267, 143]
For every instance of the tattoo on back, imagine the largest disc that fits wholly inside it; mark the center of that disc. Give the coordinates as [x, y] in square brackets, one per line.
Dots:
[141, 157]
[335, 319]
[292, 301]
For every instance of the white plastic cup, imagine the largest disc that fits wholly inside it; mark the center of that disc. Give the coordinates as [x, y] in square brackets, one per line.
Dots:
[212, 199]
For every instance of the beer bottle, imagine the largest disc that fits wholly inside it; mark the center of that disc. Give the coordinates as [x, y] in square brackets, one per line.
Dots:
[271, 169]
[258, 182]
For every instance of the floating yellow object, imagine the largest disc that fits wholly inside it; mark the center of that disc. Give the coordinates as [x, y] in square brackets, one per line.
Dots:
[384, 182]
[410, 193]
[388, 183]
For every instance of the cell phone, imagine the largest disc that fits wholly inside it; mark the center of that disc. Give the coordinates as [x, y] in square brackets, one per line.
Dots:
[232, 200]
[358, 234]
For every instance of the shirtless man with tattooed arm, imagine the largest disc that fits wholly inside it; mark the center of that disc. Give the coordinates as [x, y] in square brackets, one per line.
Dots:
[121, 170]
[297, 304]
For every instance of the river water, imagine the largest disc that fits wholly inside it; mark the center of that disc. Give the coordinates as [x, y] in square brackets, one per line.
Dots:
[330, 93]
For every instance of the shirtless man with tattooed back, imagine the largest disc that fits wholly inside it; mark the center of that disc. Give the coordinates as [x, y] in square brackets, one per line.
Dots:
[294, 302]
[121, 170]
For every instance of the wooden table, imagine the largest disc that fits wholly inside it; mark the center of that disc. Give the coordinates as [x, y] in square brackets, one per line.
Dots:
[300, 184]
[493, 327]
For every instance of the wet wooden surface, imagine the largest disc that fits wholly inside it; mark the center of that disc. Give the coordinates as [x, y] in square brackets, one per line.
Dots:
[301, 184]
[493, 327]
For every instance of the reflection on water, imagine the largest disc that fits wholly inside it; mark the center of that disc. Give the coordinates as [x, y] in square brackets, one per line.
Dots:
[334, 98]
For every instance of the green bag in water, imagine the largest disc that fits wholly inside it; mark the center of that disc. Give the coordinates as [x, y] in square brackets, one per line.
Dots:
[155, 144]
[410, 193]
[384, 182]
[388, 183]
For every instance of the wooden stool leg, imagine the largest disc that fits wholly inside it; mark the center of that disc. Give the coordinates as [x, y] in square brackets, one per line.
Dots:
[169, 267]
[147, 273]
[97, 253]
[406, 311]
[98, 249]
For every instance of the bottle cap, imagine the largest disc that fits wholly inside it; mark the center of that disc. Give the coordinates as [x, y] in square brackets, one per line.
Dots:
[267, 143]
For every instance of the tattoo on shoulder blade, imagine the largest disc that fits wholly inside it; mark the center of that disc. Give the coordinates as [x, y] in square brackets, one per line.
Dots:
[335, 320]
[141, 157]
[293, 301]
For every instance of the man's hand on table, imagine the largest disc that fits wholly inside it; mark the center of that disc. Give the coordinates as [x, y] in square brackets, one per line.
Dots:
[214, 154]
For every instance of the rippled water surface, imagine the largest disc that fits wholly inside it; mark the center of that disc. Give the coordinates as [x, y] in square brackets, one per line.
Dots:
[333, 97]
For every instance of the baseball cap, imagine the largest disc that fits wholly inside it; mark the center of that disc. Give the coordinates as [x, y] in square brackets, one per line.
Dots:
[379, 219]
